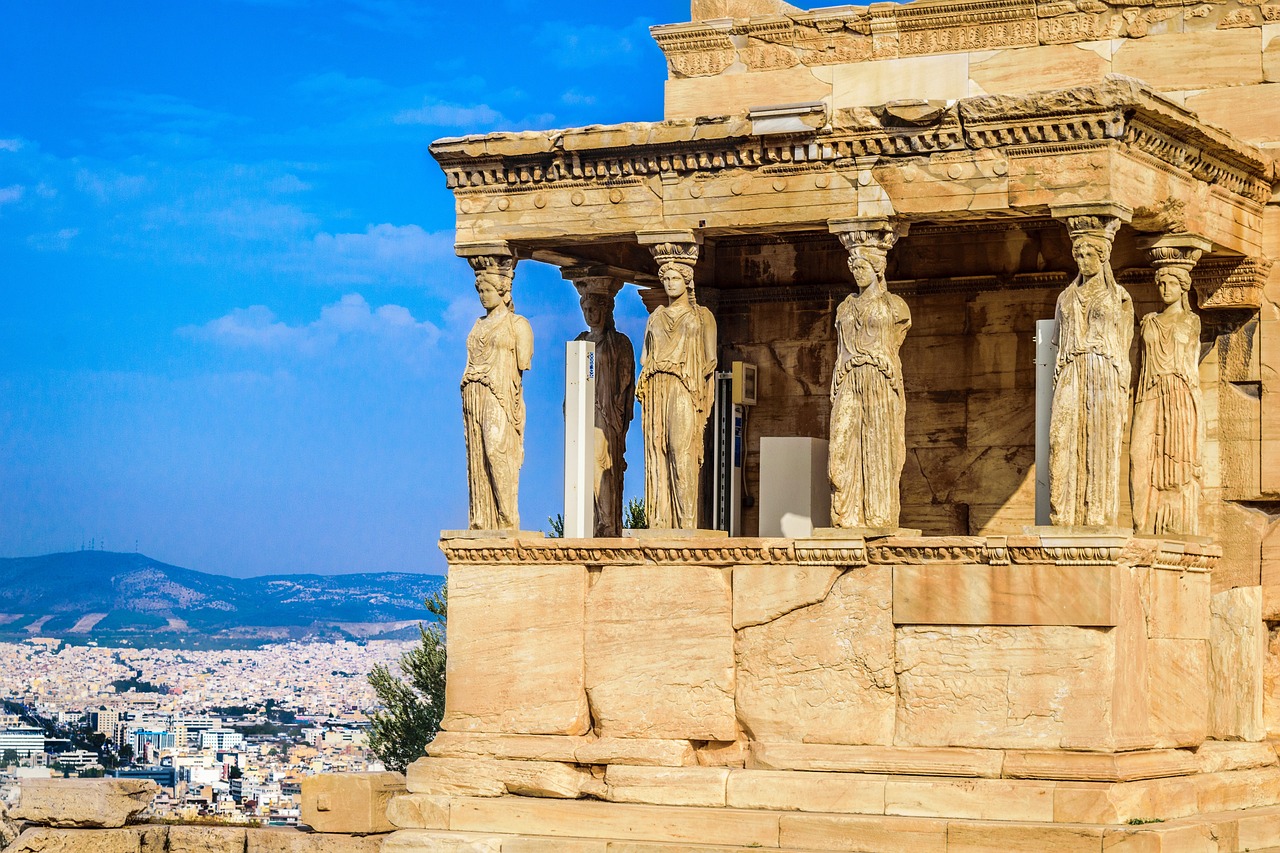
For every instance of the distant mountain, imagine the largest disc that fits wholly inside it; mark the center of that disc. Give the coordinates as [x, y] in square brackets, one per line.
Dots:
[109, 597]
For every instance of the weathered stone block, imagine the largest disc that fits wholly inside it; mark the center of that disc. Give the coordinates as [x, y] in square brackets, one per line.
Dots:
[763, 593]
[993, 799]
[430, 841]
[207, 839]
[349, 802]
[1201, 60]
[1103, 802]
[823, 673]
[419, 811]
[1179, 605]
[944, 594]
[667, 786]
[920, 761]
[516, 650]
[1178, 673]
[293, 841]
[787, 790]
[83, 802]
[678, 825]
[47, 839]
[862, 833]
[480, 777]
[660, 661]
[1236, 650]
[1025, 687]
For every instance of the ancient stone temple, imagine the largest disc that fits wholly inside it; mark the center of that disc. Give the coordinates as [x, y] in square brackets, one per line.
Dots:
[875, 206]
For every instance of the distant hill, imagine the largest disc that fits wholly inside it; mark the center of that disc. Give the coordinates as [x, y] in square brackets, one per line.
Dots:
[109, 597]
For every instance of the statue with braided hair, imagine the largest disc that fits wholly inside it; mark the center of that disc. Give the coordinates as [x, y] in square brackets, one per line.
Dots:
[676, 390]
[1091, 382]
[499, 350]
[1164, 450]
[868, 411]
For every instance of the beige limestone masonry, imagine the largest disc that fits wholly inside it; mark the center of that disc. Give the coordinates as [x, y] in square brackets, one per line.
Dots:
[518, 650]
[349, 802]
[661, 652]
[1237, 645]
[83, 802]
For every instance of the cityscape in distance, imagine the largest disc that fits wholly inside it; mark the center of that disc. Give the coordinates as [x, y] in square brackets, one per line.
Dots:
[225, 691]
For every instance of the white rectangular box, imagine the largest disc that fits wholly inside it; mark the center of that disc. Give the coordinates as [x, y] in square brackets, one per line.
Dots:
[795, 493]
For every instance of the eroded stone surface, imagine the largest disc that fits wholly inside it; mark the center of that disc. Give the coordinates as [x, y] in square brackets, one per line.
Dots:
[207, 839]
[1027, 687]
[83, 802]
[480, 777]
[516, 650]
[1236, 649]
[419, 811]
[763, 593]
[349, 802]
[823, 673]
[661, 653]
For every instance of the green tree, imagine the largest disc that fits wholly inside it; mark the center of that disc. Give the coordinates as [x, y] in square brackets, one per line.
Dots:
[10, 757]
[557, 525]
[633, 516]
[413, 704]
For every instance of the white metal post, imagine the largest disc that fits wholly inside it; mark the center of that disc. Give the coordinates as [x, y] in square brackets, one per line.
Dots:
[1046, 361]
[579, 439]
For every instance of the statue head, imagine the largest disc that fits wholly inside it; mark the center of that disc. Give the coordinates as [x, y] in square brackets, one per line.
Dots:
[596, 296]
[1174, 284]
[1091, 239]
[494, 274]
[868, 265]
[676, 278]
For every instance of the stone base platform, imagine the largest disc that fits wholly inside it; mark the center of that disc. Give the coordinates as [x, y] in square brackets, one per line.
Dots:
[532, 825]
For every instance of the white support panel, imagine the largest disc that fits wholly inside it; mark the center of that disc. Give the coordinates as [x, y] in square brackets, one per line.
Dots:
[579, 439]
[795, 492]
[1046, 363]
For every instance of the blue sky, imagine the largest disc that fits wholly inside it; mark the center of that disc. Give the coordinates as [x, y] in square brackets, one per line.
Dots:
[231, 320]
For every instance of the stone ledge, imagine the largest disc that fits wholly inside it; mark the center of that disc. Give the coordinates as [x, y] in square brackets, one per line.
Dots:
[188, 839]
[83, 802]
[509, 825]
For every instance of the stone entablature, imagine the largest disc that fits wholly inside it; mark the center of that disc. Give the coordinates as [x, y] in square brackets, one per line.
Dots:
[979, 158]
[848, 34]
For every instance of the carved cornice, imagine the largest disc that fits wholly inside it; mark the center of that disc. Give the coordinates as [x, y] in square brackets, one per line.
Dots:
[1118, 113]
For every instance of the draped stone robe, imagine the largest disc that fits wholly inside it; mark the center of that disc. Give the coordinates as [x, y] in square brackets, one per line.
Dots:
[676, 391]
[1164, 449]
[868, 412]
[1090, 401]
[499, 348]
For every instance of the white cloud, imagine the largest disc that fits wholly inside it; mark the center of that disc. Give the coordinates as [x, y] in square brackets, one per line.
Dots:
[381, 254]
[10, 194]
[10, 144]
[107, 187]
[56, 241]
[444, 114]
[350, 322]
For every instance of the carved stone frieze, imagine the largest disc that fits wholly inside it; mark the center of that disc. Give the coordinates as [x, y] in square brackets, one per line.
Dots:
[857, 34]
[1231, 283]
[906, 551]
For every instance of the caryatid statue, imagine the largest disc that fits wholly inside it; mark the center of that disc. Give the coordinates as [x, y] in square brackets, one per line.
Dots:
[1165, 444]
[868, 412]
[499, 350]
[1091, 380]
[675, 390]
[615, 371]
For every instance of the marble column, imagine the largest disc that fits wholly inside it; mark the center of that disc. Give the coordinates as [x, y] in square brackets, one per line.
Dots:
[1167, 440]
[499, 350]
[676, 386]
[1090, 409]
[868, 445]
[615, 371]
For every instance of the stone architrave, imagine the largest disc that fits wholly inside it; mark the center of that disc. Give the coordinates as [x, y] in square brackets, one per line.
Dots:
[868, 410]
[499, 350]
[615, 371]
[1167, 440]
[1094, 318]
[676, 385]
